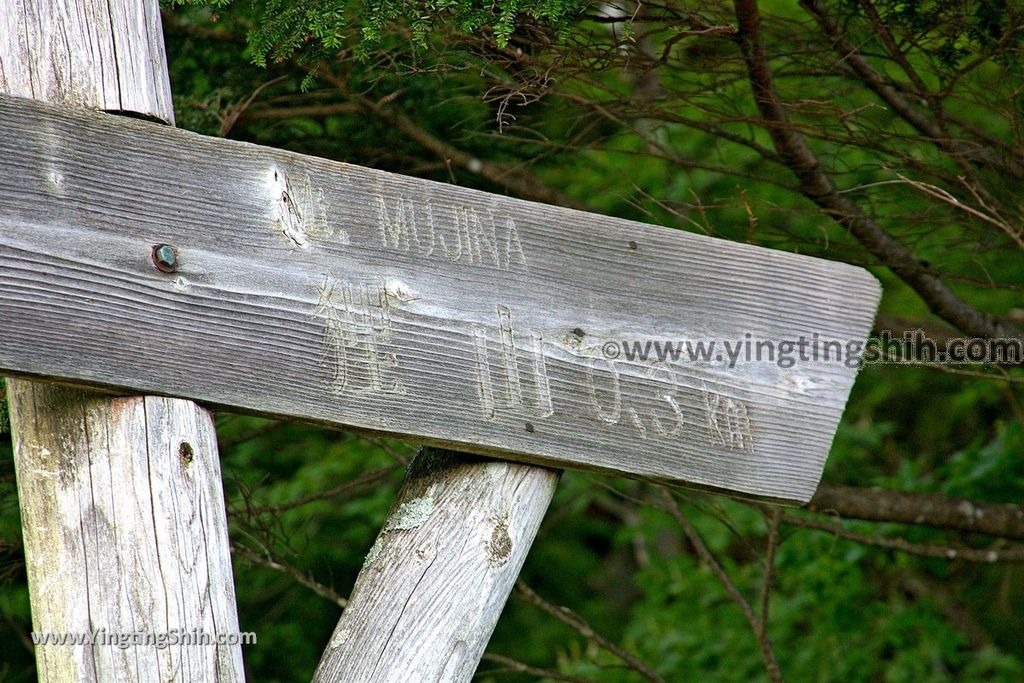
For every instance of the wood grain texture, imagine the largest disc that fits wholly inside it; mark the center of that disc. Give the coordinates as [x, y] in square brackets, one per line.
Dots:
[125, 533]
[434, 583]
[102, 54]
[317, 290]
[123, 516]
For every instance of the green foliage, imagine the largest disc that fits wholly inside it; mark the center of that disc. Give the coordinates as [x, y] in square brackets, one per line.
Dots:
[285, 464]
[839, 610]
[282, 29]
[958, 30]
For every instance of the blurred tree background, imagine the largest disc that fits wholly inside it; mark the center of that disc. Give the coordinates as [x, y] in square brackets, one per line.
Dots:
[877, 132]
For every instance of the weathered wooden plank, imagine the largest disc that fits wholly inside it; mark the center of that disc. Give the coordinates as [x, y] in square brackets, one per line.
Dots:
[322, 291]
[434, 583]
[123, 517]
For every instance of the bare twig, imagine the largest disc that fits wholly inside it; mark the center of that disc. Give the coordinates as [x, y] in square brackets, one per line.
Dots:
[946, 552]
[946, 197]
[524, 668]
[347, 487]
[575, 621]
[392, 452]
[1000, 376]
[233, 112]
[267, 560]
[248, 435]
[515, 178]
[852, 57]
[705, 554]
[311, 110]
[774, 519]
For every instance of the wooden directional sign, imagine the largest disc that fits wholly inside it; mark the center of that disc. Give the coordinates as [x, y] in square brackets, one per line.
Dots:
[341, 295]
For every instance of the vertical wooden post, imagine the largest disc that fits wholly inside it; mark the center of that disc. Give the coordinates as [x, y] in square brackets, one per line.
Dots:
[122, 506]
[433, 585]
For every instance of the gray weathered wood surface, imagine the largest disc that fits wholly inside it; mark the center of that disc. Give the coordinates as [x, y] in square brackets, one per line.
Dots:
[434, 583]
[125, 533]
[86, 53]
[122, 510]
[322, 291]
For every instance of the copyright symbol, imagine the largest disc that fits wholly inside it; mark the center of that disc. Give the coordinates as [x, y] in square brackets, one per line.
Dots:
[611, 350]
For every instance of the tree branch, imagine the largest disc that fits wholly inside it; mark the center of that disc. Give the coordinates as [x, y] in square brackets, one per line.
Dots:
[705, 554]
[816, 185]
[945, 552]
[524, 668]
[312, 110]
[930, 509]
[774, 519]
[515, 179]
[575, 621]
[850, 55]
[306, 580]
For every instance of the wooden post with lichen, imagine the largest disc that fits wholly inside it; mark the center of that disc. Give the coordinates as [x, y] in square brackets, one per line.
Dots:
[320, 291]
[433, 586]
[122, 508]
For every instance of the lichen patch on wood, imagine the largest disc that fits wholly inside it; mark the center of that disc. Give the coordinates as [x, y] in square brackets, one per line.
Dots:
[429, 595]
[412, 514]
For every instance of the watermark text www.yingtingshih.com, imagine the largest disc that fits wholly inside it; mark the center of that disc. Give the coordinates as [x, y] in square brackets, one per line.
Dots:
[911, 348]
[161, 640]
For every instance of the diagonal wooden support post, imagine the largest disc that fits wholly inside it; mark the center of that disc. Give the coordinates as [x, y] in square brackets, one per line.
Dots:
[320, 291]
[434, 583]
[122, 507]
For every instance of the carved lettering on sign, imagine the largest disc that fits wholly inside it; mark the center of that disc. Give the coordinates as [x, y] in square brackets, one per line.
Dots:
[504, 390]
[672, 423]
[659, 414]
[728, 421]
[606, 401]
[358, 336]
[457, 233]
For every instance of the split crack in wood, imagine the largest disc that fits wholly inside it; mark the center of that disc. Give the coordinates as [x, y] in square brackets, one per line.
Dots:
[287, 214]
